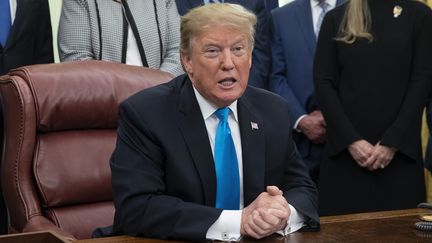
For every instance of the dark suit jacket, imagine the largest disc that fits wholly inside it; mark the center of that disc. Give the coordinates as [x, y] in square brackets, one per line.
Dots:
[163, 172]
[261, 56]
[30, 38]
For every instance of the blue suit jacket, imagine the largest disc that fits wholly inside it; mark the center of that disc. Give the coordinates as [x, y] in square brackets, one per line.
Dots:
[163, 176]
[261, 54]
[293, 45]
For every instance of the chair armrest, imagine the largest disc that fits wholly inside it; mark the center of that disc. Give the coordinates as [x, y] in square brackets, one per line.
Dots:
[40, 223]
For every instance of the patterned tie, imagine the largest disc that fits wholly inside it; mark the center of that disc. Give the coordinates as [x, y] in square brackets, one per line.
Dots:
[227, 174]
[5, 21]
[324, 6]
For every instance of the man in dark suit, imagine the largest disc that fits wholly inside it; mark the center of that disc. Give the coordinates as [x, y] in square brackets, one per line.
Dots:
[167, 175]
[294, 33]
[25, 38]
[261, 57]
[29, 40]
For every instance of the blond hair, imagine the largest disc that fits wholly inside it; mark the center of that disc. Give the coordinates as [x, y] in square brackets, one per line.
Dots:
[201, 18]
[356, 22]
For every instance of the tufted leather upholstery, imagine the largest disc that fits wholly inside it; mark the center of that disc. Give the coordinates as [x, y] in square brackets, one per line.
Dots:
[60, 129]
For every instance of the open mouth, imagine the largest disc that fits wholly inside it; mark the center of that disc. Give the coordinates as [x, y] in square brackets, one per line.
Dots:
[227, 82]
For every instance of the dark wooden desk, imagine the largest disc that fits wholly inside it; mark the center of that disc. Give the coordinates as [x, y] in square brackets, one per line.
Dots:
[390, 226]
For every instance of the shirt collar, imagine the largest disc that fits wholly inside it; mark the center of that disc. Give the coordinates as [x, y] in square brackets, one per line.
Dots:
[207, 108]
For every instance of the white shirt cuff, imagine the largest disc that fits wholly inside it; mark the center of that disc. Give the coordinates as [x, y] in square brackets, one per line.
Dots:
[297, 123]
[226, 227]
[295, 222]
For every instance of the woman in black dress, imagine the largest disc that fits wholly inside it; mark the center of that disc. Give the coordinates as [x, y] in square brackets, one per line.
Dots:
[373, 73]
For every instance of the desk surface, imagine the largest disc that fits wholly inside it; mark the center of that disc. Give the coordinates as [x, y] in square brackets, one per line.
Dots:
[390, 226]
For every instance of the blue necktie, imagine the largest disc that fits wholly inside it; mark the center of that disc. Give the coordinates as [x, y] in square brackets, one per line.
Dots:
[324, 7]
[227, 174]
[5, 21]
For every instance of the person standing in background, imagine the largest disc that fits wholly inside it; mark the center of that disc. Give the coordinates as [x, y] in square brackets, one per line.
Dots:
[135, 32]
[295, 29]
[25, 39]
[261, 56]
[373, 75]
[25, 34]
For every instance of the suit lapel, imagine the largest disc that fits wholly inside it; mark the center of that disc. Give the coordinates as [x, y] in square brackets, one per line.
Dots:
[253, 150]
[304, 17]
[194, 131]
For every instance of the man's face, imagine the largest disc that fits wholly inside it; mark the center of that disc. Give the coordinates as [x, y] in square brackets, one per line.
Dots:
[218, 64]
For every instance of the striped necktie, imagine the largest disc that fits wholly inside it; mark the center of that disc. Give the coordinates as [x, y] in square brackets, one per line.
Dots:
[324, 8]
[226, 164]
[5, 21]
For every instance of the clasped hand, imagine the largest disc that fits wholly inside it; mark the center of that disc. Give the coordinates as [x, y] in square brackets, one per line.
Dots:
[268, 213]
[313, 127]
[371, 156]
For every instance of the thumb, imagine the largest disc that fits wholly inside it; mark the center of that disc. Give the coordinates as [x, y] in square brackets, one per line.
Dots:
[274, 191]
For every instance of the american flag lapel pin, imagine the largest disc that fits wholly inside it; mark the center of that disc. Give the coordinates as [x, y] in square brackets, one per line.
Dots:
[254, 126]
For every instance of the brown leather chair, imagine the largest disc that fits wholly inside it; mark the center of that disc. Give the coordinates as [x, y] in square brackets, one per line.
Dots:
[60, 130]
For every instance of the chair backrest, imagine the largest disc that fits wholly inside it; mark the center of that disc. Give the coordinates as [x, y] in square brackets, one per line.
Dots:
[60, 129]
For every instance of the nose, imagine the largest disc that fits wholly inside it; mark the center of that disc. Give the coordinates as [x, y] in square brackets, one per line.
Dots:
[227, 61]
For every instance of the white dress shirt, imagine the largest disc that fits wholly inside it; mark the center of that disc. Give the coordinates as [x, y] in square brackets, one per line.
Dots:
[13, 6]
[227, 226]
[316, 10]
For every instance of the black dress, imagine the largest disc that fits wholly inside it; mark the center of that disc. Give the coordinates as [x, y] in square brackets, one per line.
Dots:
[374, 91]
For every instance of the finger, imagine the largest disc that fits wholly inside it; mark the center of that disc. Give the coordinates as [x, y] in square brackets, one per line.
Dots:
[281, 214]
[257, 226]
[274, 190]
[371, 160]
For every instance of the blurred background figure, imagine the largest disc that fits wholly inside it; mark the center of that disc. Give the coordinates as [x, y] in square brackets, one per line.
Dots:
[135, 32]
[25, 34]
[295, 28]
[25, 39]
[261, 53]
[372, 76]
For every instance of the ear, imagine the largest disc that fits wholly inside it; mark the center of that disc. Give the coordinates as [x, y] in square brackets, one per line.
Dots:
[187, 63]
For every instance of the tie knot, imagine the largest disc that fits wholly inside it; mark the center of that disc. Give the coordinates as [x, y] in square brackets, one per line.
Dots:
[323, 4]
[222, 114]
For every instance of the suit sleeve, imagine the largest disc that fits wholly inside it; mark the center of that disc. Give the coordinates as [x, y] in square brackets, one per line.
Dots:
[43, 41]
[261, 54]
[341, 132]
[143, 207]
[74, 36]
[171, 60]
[299, 190]
[418, 88]
[278, 82]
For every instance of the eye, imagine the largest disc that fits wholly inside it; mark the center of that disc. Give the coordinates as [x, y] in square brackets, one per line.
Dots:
[211, 52]
[238, 50]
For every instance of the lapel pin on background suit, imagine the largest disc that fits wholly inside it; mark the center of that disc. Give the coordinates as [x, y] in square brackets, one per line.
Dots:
[397, 10]
[254, 126]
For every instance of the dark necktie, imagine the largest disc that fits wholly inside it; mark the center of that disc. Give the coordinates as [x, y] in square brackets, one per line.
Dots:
[227, 174]
[5, 21]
